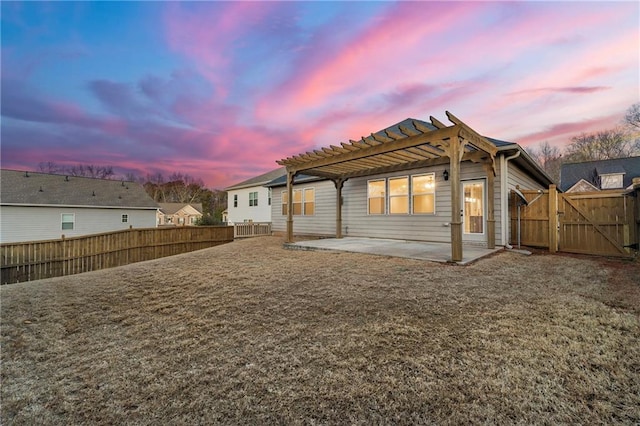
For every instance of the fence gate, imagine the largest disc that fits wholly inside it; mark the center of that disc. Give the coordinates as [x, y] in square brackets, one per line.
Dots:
[603, 223]
[596, 223]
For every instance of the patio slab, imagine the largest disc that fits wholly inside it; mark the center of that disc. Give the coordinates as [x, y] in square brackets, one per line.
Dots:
[422, 250]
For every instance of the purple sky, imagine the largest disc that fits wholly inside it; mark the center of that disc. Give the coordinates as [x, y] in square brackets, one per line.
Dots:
[221, 90]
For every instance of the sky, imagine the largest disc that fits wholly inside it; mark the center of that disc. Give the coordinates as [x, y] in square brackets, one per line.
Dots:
[222, 90]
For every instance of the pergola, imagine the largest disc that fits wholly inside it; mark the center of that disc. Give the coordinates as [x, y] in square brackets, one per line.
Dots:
[409, 148]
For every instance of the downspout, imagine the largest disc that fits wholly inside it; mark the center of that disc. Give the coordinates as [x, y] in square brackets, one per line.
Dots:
[504, 198]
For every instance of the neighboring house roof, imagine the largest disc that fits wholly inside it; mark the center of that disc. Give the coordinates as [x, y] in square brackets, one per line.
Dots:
[572, 173]
[582, 186]
[282, 180]
[173, 208]
[43, 189]
[259, 180]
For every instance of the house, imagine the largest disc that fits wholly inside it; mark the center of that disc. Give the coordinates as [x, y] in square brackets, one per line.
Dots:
[179, 214]
[40, 206]
[250, 200]
[598, 175]
[414, 180]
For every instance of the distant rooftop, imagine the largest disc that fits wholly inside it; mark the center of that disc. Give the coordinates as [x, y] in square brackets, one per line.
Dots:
[259, 180]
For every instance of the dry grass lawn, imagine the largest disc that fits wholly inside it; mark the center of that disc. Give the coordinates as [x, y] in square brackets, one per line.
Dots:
[252, 333]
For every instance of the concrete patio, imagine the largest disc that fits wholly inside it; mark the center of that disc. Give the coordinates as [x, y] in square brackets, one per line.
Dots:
[422, 250]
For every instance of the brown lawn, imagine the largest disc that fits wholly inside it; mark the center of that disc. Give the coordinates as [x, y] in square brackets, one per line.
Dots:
[251, 333]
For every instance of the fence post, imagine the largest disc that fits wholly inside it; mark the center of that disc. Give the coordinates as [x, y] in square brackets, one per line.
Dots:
[553, 219]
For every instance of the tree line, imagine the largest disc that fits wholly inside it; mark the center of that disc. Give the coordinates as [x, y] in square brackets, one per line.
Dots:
[175, 188]
[619, 142]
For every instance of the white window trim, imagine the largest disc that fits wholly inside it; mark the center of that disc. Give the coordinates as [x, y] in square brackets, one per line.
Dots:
[62, 222]
[435, 205]
[386, 192]
[124, 218]
[408, 194]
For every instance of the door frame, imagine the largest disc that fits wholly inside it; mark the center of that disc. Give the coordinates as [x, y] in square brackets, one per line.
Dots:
[474, 237]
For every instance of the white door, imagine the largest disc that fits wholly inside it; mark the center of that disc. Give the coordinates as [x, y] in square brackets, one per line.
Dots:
[473, 210]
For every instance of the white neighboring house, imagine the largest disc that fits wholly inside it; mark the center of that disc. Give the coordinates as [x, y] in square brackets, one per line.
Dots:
[250, 201]
[39, 206]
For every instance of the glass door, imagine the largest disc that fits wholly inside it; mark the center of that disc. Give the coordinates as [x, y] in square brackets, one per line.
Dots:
[473, 214]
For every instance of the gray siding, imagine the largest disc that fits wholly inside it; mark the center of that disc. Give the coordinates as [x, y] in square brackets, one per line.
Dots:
[518, 177]
[21, 223]
[358, 223]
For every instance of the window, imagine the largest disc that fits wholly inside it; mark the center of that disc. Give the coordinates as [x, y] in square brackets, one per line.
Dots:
[285, 198]
[235, 200]
[399, 195]
[376, 196]
[253, 199]
[297, 202]
[125, 218]
[68, 220]
[611, 181]
[309, 201]
[304, 202]
[269, 195]
[423, 193]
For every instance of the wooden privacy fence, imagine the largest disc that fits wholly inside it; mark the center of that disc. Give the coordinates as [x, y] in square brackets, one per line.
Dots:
[54, 258]
[601, 223]
[251, 229]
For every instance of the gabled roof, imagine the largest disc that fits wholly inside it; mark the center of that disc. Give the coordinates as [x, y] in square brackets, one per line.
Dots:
[571, 173]
[259, 180]
[43, 189]
[173, 208]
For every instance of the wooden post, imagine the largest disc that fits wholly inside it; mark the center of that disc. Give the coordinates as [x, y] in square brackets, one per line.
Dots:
[339, 183]
[455, 154]
[553, 219]
[290, 176]
[491, 221]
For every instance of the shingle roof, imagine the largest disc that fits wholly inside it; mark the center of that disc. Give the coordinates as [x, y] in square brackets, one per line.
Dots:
[173, 208]
[571, 173]
[37, 189]
[259, 180]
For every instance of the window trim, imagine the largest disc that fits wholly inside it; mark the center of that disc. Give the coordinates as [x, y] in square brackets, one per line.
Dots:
[384, 197]
[407, 195]
[124, 218]
[301, 191]
[413, 193]
[253, 199]
[62, 221]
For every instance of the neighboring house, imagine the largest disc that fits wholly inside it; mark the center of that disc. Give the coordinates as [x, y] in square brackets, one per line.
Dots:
[40, 206]
[597, 175]
[402, 183]
[250, 201]
[179, 214]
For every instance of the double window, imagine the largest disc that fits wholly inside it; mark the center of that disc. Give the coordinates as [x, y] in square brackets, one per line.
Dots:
[253, 199]
[304, 202]
[406, 194]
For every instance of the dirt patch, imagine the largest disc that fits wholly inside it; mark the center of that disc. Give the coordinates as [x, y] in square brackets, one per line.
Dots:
[249, 332]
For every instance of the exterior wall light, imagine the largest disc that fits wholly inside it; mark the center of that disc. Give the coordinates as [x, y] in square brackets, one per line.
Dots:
[445, 174]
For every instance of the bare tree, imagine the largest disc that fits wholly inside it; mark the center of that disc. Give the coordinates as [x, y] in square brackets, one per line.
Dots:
[632, 117]
[602, 145]
[549, 158]
[49, 167]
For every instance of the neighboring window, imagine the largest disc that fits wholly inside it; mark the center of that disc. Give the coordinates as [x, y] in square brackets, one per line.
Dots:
[376, 196]
[399, 195]
[612, 181]
[68, 220]
[125, 218]
[423, 193]
[269, 200]
[181, 220]
[309, 201]
[235, 200]
[193, 220]
[253, 199]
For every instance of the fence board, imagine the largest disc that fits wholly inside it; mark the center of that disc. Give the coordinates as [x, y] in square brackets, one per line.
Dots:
[53, 258]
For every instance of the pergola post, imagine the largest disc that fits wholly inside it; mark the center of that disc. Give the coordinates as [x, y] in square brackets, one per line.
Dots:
[339, 183]
[455, 153]
[491, 221]
[290, 176]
